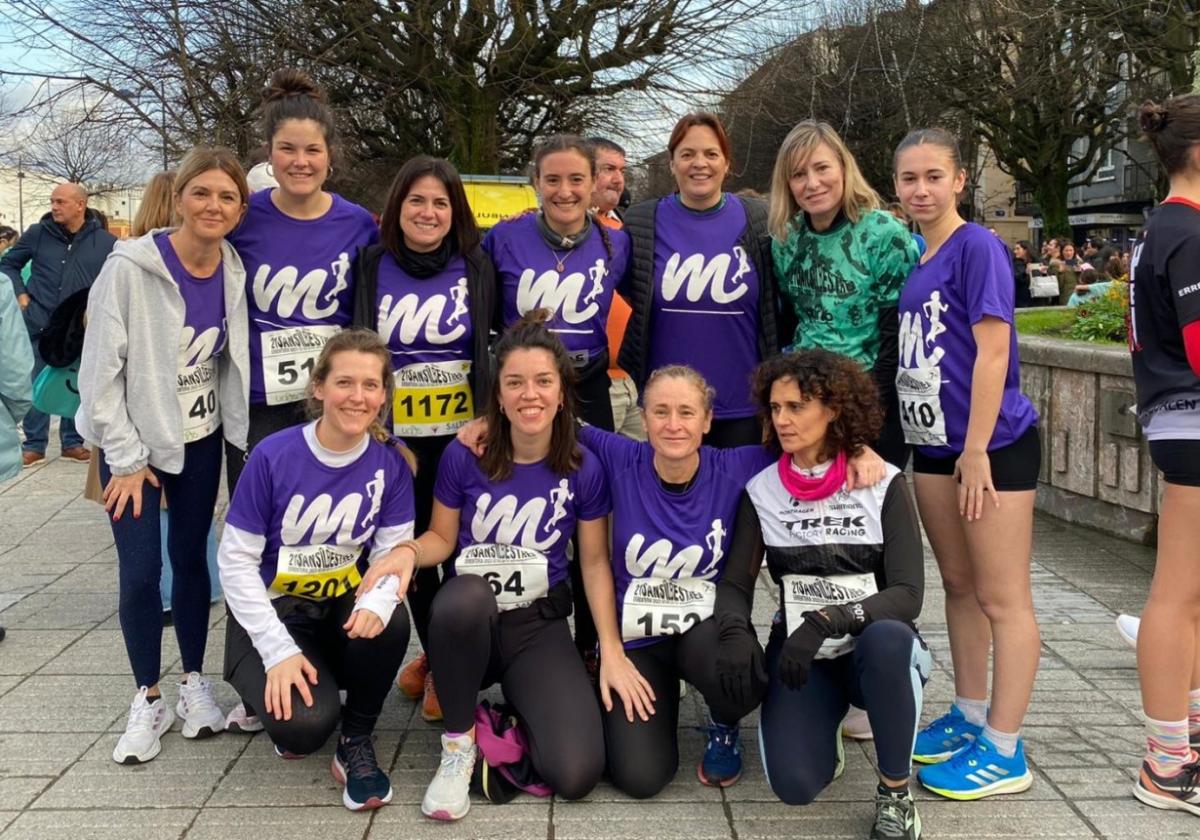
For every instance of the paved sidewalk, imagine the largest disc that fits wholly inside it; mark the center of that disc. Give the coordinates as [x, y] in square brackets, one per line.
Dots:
[65, 687]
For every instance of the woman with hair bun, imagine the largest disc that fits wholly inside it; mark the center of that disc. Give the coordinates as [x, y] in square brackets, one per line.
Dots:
[298, 242]
[1164, 338]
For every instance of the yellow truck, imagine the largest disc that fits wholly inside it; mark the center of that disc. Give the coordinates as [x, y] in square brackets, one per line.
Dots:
[496, 197]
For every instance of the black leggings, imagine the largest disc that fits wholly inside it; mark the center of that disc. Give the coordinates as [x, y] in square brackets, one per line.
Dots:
[264, 420]
[799, 730]
[193, 495]
[365, 668]
[595, 409]
[425, 583]
[643, 756]
[734, 431]
[472, 645]
[890, 444]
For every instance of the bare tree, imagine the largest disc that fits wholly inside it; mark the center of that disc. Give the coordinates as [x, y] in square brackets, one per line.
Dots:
[88, 145]
[474, 80]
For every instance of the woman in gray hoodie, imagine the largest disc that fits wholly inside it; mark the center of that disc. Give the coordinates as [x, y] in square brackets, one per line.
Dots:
[163, 379]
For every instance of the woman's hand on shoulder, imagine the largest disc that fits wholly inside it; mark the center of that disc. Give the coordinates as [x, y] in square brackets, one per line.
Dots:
[866, 469]
[472, 435]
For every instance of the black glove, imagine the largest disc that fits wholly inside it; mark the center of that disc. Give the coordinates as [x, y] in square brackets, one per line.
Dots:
[741, 671]
[802, 645]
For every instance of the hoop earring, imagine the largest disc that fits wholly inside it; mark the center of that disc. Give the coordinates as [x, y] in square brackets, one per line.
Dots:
[329, 174]
[270, 170]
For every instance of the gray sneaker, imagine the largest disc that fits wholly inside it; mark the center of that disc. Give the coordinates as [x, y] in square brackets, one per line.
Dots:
[896, 818]
[448, 796]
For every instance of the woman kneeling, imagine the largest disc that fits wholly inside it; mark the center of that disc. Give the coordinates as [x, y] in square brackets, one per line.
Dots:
[851, 578]
[315, 506]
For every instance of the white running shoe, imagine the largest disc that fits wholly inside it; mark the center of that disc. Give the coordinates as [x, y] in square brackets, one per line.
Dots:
[448, 796]
[143, 731]
[1127, 626]
[856, 725]
[201, 716]
[238, 721]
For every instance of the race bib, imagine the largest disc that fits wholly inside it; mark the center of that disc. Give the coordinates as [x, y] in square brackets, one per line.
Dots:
[317, 572]
[518, 576]
[656, 607]
[432, 398]
[196, 390]
[921, 414]
[801, 593]
[288, 357]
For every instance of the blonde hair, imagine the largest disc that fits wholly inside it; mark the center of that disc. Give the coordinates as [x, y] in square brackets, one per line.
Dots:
[157, 209]
[857, 195]
[687, 374]
[359, 341]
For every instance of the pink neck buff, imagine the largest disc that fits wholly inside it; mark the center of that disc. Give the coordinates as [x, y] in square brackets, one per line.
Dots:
[808, 489]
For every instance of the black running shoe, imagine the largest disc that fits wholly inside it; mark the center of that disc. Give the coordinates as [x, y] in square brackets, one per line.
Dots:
[355, 766]
[896, 817]
[1171, 793]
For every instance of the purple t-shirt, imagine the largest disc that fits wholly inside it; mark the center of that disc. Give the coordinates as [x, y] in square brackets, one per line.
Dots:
[203, 308]
[299, 287]
[579, 296]
[969, 278]
[514, 533]
[669, 549]
[318, 521]
[427, 326]
[705, 306]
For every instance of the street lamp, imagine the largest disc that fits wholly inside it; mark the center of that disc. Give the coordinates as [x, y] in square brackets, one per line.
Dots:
[161, 93]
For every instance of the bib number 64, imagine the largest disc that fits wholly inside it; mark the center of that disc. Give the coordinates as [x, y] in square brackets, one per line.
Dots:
[511, 585]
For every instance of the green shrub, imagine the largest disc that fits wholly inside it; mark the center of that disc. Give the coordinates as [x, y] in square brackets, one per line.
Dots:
[1103, 318]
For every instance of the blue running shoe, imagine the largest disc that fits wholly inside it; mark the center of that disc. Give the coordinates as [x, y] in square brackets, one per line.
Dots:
[722, 762]
[945, 737]
[355, 766]
[977, 772]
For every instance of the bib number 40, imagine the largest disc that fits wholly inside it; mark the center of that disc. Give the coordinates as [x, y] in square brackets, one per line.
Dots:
[204, 405]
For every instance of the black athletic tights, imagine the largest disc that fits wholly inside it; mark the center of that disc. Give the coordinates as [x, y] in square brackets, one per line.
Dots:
[529, 652]
[365, 668]
[643, 756]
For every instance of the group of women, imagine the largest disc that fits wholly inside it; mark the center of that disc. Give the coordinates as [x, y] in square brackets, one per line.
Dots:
[311, 342]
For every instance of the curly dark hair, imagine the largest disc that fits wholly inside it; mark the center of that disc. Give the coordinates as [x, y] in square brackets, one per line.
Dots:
[837, 381]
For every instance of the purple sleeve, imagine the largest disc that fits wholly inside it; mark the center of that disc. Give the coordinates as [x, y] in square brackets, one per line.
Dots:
[986, 280]
[613, 450]
[398, 506]
[448, 489]
[591, 490]
[251, 506]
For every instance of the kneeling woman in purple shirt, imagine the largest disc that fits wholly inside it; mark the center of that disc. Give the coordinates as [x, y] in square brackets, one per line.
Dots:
[501, 615]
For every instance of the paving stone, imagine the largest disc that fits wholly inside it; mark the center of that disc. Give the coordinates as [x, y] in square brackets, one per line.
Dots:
[639, 820]
[16, 792]
[26, 651]
[43, 754]
[525, 817]
[1126, 817]
[166, 782]
[37, 704]
[101, 824]
[328, 822]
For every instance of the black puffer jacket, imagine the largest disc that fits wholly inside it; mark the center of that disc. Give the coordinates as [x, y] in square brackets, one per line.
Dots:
[773, 323]
[481, 294]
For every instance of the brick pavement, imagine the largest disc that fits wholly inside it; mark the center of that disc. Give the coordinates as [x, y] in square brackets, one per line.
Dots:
[65, 688]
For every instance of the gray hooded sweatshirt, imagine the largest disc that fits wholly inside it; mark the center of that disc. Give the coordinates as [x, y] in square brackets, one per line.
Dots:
[127, 376]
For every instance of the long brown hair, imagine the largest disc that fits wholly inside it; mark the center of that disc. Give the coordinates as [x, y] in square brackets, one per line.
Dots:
[462, 221]
[530, 333]
[359, 341]
[157, 208]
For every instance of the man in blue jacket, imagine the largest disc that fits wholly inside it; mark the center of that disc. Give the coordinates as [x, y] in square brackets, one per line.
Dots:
[66, 250]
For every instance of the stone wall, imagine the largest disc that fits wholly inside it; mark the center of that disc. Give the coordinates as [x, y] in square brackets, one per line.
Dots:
[1096, 468]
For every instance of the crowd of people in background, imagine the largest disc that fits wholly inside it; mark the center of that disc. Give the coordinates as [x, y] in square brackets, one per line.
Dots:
[620, 416]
